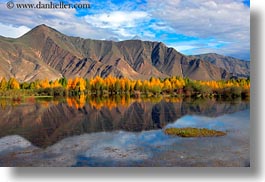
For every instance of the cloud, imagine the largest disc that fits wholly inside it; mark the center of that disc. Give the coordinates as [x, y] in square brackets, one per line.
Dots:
[184, 24]
[116, 19]
[19, 21]
[183, 48]
[203, 18]
[123, 23]
[223, 20]
[98, 25]
[12, 31]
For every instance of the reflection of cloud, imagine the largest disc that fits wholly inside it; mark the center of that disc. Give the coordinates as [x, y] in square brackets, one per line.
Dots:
[105, 146]
[13, 143]
[236, 120]
[127, 147]
[119, 146]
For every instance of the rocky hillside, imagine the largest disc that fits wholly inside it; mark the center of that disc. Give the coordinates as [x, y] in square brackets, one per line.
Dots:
[44, 52]
[237, 67]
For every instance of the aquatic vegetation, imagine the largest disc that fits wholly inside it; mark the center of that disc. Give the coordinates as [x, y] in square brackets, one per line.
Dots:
[193, 132]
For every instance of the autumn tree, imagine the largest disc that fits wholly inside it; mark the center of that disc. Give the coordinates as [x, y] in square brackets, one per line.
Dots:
[82, 85]
[44, 83]
[127, 85]
[13, 84]
[137, 85]
[3, 84]
[155, 85]
[55, 84]
[97, 85]
[69, 84]
[167, 86]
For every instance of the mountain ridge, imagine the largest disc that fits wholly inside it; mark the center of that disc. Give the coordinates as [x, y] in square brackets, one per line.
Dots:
[44, 52]
[238, 67]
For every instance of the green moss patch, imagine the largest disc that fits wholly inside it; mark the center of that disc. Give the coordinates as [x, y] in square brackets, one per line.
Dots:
[193, 132]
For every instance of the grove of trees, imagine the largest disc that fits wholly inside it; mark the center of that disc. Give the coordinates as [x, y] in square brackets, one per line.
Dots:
[174, 86]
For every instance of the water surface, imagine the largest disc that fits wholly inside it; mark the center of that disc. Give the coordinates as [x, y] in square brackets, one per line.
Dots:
[122, 132]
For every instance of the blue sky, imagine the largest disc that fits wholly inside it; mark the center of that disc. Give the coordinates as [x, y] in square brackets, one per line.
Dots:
[189, 26]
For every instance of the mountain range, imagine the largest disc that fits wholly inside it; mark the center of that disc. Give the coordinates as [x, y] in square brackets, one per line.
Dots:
[44, 53]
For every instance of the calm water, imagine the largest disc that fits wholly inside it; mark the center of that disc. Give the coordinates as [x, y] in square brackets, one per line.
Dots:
[121, 132]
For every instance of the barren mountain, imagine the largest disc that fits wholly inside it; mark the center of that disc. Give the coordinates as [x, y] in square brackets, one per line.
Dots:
[238, 68]
[44, 52]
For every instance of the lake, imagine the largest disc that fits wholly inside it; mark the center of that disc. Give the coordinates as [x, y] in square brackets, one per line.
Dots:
[122, 131]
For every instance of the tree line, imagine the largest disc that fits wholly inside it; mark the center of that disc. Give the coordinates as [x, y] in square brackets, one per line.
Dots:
[174, 86]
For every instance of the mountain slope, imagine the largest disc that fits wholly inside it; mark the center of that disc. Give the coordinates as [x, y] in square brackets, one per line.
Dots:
[238, 68]
[44, 52]
[23, 62]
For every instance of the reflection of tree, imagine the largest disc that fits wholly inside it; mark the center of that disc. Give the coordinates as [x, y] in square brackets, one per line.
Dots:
[3, 103]
[112, 101]
[45, 122]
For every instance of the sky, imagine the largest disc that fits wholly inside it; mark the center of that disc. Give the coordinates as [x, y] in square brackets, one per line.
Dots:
[190, 26]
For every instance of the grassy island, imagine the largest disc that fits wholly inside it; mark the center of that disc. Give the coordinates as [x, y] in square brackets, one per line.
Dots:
[193, 132]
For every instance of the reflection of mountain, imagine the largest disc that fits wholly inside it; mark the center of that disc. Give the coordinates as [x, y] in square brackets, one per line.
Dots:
[45, 125]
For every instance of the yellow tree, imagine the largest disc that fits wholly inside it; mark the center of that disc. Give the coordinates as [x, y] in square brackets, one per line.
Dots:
[82, 85]
[122, 84]
[96, 84]
[82, 100]
[69, 84]
[155, 85]
[127, 84]
[14, 84]
[138, 85]
[75, 83]
[44, 83]
[3, 84]
[110, 83]
[56, 84]
[167, 86]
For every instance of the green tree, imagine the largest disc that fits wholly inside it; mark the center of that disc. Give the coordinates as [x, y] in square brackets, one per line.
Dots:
[117, 86]
[24, 85]
[63, 82]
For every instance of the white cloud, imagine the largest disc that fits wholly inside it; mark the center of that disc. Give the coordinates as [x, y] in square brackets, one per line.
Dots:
[121, 24]
[203, 18]
[15, 22]
[124, 23]
[116, 19]
[182, 48]
[223, 20]
[12, 31]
